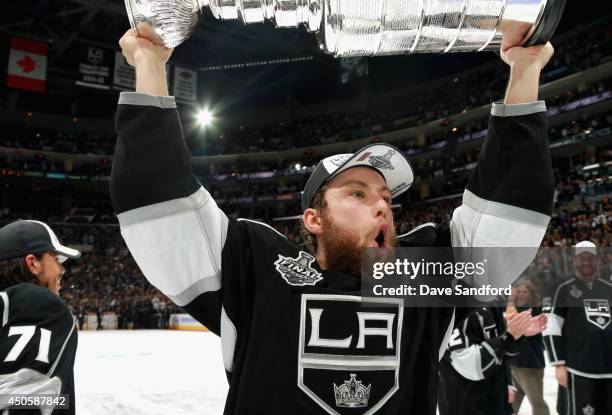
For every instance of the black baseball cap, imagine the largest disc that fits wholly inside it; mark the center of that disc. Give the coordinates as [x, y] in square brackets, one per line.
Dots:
[388, 160]
[24, 237]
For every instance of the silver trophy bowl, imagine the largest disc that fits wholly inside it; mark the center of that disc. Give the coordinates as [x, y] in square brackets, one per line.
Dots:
[348, 28]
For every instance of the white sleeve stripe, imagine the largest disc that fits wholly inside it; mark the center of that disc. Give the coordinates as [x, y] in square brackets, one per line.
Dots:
[491, 363]
[554, 326]
[5, 312]
[554, 299]
[466, 338]
[479, 223]
[467, 362]
[27, 382]
[204, 285]
[505, 211]
[555, 357]
[604, 281]
[138, 98]
[160, 210]
[418, 228]
[491, 352]
[178, 244]
[512, 110]
[554, 351]
[262, 224]
[590, 375]
[61, 352]
[229, 334]
[447, 336]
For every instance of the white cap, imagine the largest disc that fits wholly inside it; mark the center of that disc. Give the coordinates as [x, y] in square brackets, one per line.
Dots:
[389, 161]
[585, 246]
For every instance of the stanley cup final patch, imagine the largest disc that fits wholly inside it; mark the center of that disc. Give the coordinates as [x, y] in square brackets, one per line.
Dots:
[382, 161]
[298, 271]
[598, 312]
[349, 352]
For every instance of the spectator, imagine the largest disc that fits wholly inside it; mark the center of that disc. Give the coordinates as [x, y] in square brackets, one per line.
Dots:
[528, 365]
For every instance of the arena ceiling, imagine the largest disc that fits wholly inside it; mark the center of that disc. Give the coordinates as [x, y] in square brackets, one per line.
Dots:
[65, 24]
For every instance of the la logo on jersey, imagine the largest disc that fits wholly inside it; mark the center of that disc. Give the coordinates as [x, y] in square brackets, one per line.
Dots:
[598, 312]
[349, 351]
[298, 271]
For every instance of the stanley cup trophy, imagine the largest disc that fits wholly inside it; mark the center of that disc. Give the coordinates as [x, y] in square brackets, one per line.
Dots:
[347, 28]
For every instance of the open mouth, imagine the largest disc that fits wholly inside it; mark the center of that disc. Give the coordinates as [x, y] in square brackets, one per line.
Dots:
[380, 239]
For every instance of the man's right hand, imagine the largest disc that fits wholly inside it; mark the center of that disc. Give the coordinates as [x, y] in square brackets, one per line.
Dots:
[145, 52]
[517, 324]
[561, 375]
[144, 45]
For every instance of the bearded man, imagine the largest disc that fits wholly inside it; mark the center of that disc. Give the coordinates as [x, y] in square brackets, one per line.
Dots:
[579, 338]
[296, 335]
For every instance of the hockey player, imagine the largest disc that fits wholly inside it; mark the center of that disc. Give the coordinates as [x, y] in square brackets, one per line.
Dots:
[475, 372]
[296, 336]
[38, 336]
[579, 336]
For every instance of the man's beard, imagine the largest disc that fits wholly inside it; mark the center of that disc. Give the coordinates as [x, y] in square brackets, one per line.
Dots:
[587, 276]
[343, 249]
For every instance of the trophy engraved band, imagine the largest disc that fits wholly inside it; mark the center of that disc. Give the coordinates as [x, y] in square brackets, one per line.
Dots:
[370, 27]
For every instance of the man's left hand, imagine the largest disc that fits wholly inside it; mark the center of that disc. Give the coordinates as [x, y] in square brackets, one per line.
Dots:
[536, 325]
[537, 56]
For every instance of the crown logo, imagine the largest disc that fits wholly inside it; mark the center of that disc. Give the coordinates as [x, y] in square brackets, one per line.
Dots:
[382, 162]
[352, 394]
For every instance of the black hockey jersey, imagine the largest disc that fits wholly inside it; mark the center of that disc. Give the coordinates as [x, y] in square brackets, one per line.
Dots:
[475, 372]
[296, 338]
[579, 330]
[38, 342]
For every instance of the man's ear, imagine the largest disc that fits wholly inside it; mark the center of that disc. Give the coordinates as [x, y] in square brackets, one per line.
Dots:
[312, 221]
[32, 263]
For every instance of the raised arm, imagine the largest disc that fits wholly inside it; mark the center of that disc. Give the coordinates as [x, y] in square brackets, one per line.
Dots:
[148, 57]
[509, 197]
[174, 229]
[526, 64]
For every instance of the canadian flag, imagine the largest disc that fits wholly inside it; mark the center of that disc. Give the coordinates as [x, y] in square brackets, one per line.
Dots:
[27, 66]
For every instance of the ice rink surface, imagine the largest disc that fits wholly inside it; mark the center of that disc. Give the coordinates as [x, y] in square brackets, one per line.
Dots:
[149, 372]
[165, 372]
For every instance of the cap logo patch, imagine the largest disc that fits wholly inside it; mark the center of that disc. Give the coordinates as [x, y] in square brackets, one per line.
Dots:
[382, 162]
[339, 159]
